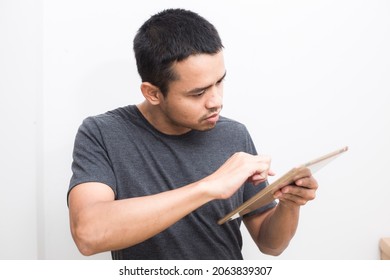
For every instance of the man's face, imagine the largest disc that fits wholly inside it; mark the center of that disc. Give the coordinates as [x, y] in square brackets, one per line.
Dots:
[195, 99]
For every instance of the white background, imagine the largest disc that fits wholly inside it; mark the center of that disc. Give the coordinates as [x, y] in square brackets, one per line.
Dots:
[306, 77]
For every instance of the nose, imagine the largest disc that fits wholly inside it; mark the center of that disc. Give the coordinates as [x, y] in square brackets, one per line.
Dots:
[214, 99]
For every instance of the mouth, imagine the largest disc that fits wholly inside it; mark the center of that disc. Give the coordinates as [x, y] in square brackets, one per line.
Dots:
[213, 118]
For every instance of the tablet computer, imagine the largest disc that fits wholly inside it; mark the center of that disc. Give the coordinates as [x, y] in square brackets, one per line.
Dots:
[266, 195]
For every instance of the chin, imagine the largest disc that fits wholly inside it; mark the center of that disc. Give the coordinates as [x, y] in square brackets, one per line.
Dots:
[205, 128]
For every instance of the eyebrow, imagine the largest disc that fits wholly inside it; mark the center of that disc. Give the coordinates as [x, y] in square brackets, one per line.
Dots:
[195, 90]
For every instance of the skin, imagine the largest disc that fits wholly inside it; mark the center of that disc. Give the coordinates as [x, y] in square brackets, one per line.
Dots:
[194, 101]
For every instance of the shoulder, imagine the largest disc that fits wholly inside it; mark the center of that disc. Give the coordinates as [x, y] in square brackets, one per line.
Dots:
[236, 133]
[230, 125]
[109, 119]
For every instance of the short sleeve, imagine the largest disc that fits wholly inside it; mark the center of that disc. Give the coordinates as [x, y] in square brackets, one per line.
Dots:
[91, 162]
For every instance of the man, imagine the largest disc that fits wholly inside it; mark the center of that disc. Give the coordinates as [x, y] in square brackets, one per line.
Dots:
[151, 180]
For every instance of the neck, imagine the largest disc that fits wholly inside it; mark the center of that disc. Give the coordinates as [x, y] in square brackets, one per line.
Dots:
[159, 120]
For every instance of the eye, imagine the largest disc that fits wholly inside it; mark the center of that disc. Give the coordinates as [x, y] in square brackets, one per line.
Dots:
[199, 93]
[221, 81]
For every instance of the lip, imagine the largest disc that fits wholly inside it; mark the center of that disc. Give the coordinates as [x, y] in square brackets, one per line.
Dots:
[213, 118]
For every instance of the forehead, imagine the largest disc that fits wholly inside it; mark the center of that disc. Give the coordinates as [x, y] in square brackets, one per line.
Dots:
[199, 70]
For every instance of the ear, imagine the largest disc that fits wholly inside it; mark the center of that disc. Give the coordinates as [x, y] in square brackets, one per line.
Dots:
[151, 93]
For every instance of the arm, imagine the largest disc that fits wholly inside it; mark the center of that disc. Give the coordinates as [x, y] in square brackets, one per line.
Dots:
[273, 230]
[100, 223]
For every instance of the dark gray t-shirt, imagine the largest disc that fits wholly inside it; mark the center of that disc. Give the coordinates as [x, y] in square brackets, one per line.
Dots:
[121, 149]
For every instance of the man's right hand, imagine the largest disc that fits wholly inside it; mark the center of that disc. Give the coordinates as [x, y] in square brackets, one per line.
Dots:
[238, 169]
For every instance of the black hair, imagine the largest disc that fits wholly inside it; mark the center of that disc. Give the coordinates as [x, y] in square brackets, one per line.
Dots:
[171, 36]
